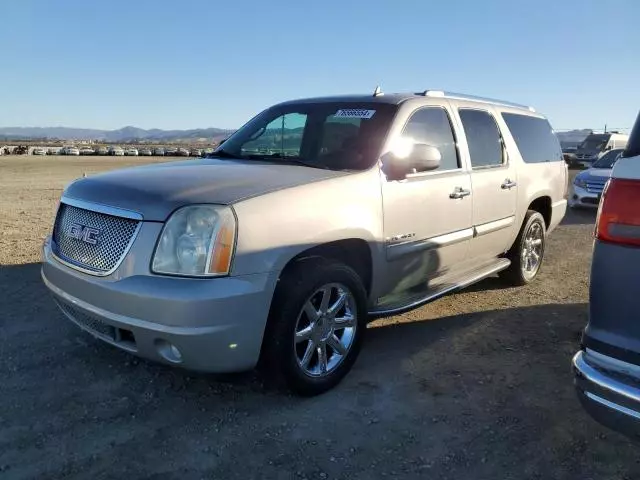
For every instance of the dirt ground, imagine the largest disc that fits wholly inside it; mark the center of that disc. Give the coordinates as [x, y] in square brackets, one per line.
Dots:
[474, 386]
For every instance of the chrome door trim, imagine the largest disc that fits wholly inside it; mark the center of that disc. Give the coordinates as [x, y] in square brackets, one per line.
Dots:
[397, 250]
[493, 226]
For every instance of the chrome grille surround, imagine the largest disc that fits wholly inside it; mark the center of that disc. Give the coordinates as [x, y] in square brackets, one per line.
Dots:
[595, 186]
[117, 229]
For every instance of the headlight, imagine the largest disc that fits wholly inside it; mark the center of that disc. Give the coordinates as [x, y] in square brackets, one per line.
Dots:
[579, 182]
[197, 240]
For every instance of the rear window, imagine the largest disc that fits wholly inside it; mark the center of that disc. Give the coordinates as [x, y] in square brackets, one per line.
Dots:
[633, 145]
[534, 138]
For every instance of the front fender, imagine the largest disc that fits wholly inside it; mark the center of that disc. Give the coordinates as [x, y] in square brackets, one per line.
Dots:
[274, 228]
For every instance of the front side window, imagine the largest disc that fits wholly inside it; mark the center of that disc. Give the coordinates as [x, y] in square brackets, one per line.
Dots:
[329, 135]
[431, 126]
[483, 138]
[534, 138]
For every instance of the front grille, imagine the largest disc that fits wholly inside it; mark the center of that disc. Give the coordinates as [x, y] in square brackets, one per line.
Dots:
[87, 321]
[94, 241]
[595, 186]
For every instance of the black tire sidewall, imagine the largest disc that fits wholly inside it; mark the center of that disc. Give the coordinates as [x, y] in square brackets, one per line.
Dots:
[292, 292]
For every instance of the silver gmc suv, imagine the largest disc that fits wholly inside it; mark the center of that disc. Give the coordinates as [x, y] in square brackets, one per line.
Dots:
[313, 218]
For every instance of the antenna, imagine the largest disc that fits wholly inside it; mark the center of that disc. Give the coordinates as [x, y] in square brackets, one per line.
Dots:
[378, 92]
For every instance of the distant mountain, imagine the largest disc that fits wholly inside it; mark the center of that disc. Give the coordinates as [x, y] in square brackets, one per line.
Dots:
[121, 135]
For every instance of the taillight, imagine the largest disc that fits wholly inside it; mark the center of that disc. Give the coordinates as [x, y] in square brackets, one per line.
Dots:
[618, 219]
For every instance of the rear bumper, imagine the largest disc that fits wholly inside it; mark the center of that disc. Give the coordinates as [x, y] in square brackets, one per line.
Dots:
[609, 391]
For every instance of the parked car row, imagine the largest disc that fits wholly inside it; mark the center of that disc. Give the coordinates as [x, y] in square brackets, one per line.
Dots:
[128, 151]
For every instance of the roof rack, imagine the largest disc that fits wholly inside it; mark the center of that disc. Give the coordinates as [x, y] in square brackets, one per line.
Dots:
[462, 96]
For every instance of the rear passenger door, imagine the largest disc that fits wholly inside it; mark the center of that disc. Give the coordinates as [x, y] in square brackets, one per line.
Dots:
[493, 183]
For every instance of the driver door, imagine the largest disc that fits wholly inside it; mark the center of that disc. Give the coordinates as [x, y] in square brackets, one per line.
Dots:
[428, 215]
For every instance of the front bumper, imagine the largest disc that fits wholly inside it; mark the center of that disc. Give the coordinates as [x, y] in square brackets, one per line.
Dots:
[212, 325]
[580, 197]
[609, 390]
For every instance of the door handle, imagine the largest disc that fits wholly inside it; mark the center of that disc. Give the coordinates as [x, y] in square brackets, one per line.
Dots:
[459, 192]
[508, 184]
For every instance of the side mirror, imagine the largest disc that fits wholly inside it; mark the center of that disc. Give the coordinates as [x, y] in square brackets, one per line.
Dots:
[421, 158]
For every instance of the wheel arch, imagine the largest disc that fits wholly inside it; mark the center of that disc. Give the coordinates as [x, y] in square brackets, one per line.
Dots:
[354, 252]
[542, 205]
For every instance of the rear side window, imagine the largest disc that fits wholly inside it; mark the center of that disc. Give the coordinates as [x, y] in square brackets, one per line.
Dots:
[431, 125]
[633, 144]
[483, 138]
[534, 137]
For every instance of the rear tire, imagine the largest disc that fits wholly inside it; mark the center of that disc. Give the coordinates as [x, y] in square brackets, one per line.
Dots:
[527, 252]
[316, 326]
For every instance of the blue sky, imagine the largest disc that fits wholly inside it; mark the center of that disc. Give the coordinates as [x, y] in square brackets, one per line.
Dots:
[203, 63]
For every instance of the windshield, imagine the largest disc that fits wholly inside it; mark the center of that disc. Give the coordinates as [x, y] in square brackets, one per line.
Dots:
[595, 142]
[332, 135]
[607, 160]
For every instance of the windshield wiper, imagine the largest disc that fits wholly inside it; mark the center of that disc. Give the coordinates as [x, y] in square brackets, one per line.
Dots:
[278, 157]
[222, 154]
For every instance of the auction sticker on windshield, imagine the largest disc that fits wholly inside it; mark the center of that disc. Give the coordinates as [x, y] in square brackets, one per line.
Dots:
[354, 113]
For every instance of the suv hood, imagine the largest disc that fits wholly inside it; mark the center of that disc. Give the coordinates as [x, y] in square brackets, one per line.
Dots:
[157, 190]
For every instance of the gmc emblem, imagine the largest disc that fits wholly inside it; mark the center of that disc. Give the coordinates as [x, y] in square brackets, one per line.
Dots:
[84, 234]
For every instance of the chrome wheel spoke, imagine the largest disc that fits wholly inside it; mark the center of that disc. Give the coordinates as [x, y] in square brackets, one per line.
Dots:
[326, 298]
[310, 310]
[308, 354]
[304, 334]
[536, 242]
[343, 322]
[336, 344]
[335, 308]
[322, 358]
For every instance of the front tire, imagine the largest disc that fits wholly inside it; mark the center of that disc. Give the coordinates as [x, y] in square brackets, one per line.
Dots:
[527, 252]
[316, 326]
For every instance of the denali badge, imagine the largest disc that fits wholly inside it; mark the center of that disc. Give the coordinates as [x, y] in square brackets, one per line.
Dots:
[84, 233]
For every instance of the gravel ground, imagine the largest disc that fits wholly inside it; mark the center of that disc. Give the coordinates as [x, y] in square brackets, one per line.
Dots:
[474, 386]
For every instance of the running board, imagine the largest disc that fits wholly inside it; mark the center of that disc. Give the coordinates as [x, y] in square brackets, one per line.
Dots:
[471, 278]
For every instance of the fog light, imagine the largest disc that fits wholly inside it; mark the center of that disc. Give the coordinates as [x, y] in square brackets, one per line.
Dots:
[168, 351]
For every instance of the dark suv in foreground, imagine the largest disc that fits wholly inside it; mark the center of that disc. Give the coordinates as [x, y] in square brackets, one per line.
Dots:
[607, 367]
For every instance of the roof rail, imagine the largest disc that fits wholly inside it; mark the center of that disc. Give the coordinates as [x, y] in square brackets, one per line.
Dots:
[463, 96]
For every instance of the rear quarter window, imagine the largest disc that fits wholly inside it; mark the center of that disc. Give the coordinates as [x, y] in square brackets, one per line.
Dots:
[534, 138]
